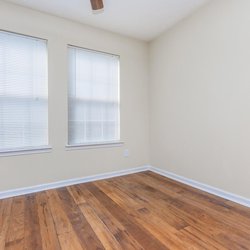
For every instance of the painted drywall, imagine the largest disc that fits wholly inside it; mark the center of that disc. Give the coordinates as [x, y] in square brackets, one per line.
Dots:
[200, 97]
[29, 170]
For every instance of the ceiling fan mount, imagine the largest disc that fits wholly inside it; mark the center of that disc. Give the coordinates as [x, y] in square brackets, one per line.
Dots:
[97, 5]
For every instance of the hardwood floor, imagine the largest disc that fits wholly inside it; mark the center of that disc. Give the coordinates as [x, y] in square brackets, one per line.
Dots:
[138, 211]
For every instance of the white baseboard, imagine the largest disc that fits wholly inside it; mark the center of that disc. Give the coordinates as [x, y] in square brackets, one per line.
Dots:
[204, 187]
[64, 183]
[209, 189]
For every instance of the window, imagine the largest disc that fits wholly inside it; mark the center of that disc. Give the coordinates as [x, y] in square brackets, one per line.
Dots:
[93, 97]
[23, 93]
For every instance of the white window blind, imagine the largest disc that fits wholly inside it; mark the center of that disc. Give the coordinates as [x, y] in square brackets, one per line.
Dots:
[23, 92]
[93, 97]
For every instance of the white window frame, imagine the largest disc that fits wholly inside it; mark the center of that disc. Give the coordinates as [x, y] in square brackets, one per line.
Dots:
[37, 149]
[96, 145]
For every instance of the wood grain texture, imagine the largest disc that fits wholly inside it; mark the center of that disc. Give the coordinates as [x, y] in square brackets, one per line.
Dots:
[138, 211]
[96, 4]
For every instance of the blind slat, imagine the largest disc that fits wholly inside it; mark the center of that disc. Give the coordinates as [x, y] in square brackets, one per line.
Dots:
[93, 97]
[23, 92]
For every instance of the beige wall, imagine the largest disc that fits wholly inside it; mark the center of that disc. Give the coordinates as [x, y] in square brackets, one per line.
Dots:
[200, 97]
[23, 171]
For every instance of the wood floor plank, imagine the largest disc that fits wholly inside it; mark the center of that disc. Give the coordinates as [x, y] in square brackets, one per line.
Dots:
[209, 215]
[169, 204]
[210, 204]
[47, 226]
[108, 240]
[32, 234]
[151, 223]
[143, 211]
[118, 196]
[69, 241]
[5, 211]
[15, 235]
[151, 207]
[196, 236]
[145, 239]
[214, 226]
[61, 220]
[64, 229]
[79, 223]
[151, 220]
[239, 209]
[125, 239]
[76, 193]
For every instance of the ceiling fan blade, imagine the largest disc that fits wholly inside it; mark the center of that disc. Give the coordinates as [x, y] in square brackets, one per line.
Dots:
[96, 4]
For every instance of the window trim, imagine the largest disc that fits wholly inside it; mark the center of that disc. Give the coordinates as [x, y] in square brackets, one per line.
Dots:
[21, 34]
[101, 144]
[26, 151]
[94, 145]
[93, 50]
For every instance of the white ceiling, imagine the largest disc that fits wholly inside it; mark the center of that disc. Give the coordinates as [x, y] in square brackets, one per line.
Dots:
[142, 19]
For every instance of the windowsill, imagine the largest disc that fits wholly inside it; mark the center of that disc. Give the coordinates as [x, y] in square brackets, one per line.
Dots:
[95, 145]
[26, 151]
